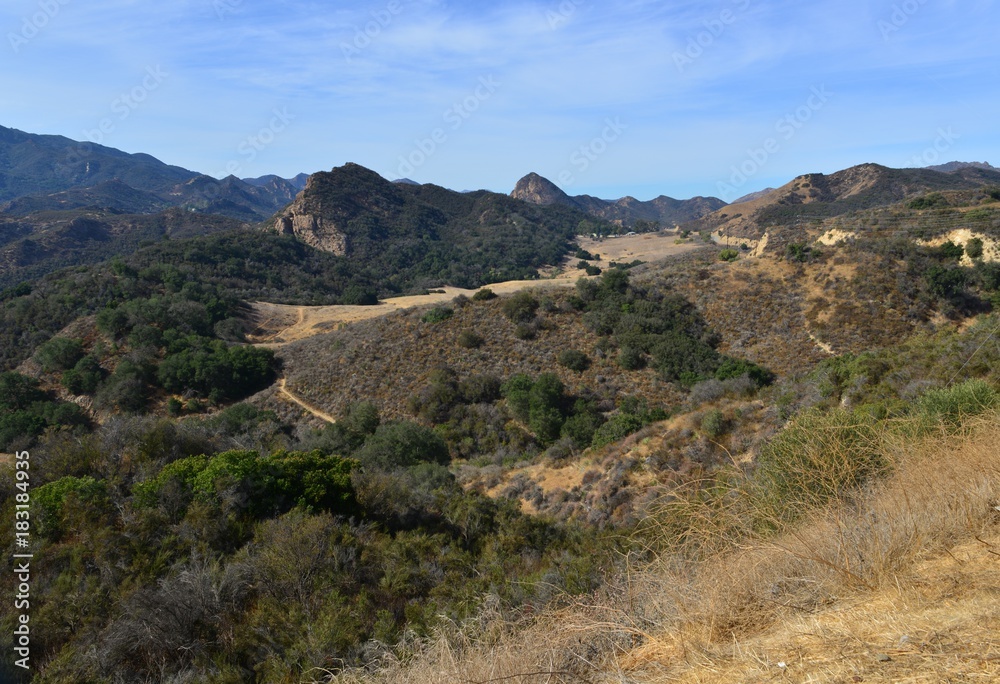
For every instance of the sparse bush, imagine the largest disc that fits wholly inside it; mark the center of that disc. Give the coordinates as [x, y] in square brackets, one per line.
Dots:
[974, 248]
[574, 360]
[798, 251]
[526, 332]
[470, 340]
[713, 424]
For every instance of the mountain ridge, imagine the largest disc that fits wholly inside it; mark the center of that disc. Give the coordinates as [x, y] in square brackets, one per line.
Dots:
[626, 211]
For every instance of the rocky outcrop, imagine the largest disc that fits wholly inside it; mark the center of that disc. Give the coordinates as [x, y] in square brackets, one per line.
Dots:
[538, 190]
[303, 218]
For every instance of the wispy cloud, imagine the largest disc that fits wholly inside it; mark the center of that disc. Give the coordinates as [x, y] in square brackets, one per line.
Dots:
[232, 64]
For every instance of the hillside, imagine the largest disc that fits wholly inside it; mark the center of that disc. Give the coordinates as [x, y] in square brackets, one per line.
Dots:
[819, 196]
[890, 584]
[452, 477]
[45, 241]
[413, 236]
[663, 211]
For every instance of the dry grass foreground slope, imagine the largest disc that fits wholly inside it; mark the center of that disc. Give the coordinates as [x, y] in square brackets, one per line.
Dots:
[899, 584]
[282, 323]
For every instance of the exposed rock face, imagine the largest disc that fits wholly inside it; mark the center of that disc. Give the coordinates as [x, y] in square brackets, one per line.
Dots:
[538, 190]
[303, 218]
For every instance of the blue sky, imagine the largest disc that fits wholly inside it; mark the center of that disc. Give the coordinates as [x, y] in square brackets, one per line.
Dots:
[611, 99]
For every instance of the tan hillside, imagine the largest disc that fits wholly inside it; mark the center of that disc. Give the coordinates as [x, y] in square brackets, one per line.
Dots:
[820, 196]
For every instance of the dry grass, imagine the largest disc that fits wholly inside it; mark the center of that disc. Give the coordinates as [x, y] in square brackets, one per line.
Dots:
[898, 583]
[277, 324]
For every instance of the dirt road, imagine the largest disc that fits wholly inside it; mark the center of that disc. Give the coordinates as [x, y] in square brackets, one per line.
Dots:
[282, 323]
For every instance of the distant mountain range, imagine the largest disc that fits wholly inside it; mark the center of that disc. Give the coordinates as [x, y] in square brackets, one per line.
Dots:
[951, 167]
[53, 173]
[665, 211]
[64, 202]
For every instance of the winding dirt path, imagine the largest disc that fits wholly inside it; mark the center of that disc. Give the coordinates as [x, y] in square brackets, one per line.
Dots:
[284, 323]
[282, 389]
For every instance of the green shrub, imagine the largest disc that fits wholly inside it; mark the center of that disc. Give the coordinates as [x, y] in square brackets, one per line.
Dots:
[953, 404]
[521, 307]
[438, 314]
[258, 486]
[59, 354]
[401, 445]
[580, 428]
[592, 270]
[736, 368]
[584, 255]
[816, 458]
[951, 251]
[51, 499]
[729, 255]
[480, 389]
[631, 359]
[931, 201]
[174, 406]
[574, 360]
[484, 295]
[618, 427]
[84, 377]
[798, 251]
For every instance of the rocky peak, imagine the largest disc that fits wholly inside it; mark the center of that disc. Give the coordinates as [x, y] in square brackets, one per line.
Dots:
[538, 190]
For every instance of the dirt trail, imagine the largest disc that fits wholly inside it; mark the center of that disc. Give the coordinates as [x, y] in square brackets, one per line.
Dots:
[282, 389]
[284, 323]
